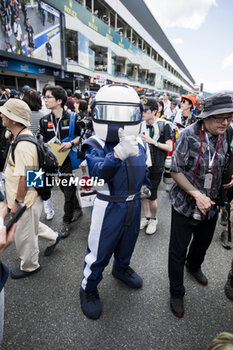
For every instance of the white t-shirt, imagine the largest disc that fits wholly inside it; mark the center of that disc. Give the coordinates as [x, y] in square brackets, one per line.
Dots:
[167, 109]
[17, 28]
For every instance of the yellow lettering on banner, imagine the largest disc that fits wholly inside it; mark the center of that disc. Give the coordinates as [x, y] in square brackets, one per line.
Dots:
[93, 26]
[70, 12]
[121, 45]
[53, 32]
[109, 37]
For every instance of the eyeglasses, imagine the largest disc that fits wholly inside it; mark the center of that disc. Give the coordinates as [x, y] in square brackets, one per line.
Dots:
[47, 97]
[222, 118]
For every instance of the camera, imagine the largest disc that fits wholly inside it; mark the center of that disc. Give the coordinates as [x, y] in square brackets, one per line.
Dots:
[196, 216]
[86, 126]
[87, 129]
[86, 123]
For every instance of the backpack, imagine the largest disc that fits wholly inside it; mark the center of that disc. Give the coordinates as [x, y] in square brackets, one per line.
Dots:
[47, 161]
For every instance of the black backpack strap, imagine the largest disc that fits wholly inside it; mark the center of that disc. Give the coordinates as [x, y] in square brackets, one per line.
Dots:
[161, 126]
[19, 138]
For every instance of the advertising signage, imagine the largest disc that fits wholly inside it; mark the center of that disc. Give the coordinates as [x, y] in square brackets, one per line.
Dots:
[30, 30]
[74, 9]
[25, 67]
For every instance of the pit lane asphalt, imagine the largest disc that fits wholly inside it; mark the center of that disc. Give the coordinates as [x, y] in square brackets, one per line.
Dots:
[43, 311]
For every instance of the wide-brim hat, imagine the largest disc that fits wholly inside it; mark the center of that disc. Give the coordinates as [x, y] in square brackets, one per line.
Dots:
[216, 104]
[17, 110]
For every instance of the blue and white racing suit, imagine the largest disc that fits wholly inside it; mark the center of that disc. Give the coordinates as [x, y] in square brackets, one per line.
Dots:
[115, 220]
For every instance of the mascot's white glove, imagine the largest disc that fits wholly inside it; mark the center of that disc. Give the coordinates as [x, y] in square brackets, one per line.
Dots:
[127, 147]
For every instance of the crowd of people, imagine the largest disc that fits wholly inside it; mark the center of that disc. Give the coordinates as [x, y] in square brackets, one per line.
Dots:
[17, 34]
[126, 144]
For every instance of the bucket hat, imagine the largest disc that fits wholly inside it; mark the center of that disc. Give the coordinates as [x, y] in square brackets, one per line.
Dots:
[17, 110]
[216, 104]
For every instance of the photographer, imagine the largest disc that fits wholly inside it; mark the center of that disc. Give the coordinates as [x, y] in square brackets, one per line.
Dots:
[197, 167]
[55, 126]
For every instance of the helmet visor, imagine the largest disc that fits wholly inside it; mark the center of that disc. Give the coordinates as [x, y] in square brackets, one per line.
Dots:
[116, 113]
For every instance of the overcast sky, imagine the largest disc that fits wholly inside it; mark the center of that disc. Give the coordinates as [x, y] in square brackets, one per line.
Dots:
[200, 31]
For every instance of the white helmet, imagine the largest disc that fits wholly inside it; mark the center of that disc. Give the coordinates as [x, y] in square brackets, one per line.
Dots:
[114, 107]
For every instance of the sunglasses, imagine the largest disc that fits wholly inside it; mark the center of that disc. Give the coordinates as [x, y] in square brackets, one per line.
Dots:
[183, 101]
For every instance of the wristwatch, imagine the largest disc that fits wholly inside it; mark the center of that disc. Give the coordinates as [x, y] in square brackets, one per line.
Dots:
[72, 143]
[19, 202]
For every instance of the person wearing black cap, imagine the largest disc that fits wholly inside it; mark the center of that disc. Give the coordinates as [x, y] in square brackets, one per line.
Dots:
[197, 167]
[158, 134]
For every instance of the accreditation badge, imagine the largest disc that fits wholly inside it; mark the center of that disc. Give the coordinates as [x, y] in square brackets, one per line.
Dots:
[208, 180]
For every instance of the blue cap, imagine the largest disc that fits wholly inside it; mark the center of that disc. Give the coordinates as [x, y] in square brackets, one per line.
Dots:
[26, 87]
[14, 92]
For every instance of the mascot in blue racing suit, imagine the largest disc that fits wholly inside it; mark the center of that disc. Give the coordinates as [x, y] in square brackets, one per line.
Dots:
[116, 155]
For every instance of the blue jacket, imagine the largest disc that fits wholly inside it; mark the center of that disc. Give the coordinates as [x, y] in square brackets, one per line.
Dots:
[102, 164]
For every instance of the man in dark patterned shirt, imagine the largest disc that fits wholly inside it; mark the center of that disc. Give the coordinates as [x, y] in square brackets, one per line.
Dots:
[197, 166]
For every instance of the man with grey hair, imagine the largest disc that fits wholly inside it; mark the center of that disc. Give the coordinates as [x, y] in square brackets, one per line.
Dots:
[199, 105]
[197, 167]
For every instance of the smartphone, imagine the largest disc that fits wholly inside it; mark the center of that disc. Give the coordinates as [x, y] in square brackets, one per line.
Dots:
[15, 217]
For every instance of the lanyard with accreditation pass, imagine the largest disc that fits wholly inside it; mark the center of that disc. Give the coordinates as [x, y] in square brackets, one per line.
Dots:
[56, 130]
[209, 177]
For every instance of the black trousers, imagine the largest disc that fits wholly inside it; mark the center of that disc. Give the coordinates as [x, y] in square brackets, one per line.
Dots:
[71, 201]
[181, 234]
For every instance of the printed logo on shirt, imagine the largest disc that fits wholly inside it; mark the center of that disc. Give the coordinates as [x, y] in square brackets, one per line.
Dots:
[50, 124]
[35, 178]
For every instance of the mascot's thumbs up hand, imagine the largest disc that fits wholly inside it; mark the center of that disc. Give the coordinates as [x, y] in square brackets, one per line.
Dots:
[127, 147]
